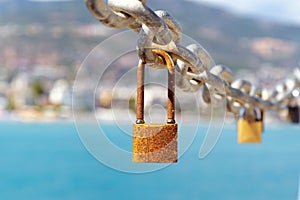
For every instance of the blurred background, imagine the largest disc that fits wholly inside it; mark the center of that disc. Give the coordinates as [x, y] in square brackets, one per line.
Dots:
[44, 42]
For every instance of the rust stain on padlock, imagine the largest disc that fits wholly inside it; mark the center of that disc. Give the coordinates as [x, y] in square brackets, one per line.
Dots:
[155, 142]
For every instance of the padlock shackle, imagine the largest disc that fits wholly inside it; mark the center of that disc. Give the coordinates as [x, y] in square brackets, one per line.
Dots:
[140, 92]
[165, 59]
[242, 113]
[258, 114]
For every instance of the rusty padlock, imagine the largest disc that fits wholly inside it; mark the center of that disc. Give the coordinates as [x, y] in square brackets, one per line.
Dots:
[155, 143]
[294, 114]
[249, 131]
[293, 110]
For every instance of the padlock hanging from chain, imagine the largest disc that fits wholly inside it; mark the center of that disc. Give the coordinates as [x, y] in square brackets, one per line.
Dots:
[155, 143]
[250, 130]
[294, 114]
[293, 111]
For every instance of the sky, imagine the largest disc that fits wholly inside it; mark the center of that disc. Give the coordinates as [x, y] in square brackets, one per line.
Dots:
[287, 11]
[1, 1]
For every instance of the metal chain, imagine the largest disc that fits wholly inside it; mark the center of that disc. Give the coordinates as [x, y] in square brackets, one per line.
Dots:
[194, 66]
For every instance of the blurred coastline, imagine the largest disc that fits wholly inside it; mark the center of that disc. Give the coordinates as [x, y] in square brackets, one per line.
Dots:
[41, 53]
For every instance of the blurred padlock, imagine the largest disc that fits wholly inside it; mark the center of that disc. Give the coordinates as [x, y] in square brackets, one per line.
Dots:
[155, 143]
[293, 107]
[294, 114]
[249, 131]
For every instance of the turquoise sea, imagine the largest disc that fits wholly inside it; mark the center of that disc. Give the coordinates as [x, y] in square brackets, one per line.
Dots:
[48, 161]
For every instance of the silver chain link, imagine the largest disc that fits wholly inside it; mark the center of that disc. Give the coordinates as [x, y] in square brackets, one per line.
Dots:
[194, 66]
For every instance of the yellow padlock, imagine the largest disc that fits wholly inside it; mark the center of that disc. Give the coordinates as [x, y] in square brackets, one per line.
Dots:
[156, 143]
[249, 131]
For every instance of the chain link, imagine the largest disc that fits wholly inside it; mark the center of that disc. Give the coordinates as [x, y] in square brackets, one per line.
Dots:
[194, 66]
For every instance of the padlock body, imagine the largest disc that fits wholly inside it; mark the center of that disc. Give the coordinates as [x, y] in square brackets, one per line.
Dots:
[155, 143]
[249, 132]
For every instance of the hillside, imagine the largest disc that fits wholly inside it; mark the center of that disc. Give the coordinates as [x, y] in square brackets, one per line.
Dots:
[233, 40]
[33, 33]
